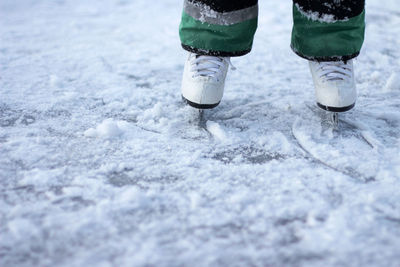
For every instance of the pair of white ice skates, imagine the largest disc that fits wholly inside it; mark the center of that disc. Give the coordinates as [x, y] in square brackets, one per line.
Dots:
[204, 80]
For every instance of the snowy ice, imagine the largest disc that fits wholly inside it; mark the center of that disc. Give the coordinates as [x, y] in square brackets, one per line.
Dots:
[101, 164]
[393, 83]
[107, 129]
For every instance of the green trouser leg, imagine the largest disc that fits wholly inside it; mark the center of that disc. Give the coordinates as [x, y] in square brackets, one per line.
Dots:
[324, 30]
[328, 30]
[218, 27]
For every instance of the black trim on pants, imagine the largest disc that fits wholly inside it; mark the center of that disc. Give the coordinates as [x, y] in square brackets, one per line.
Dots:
[215, 53]
[325, 59]
[339, 9]
[226, 5]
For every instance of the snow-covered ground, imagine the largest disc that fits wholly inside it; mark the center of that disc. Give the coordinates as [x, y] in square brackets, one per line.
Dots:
[101, 164]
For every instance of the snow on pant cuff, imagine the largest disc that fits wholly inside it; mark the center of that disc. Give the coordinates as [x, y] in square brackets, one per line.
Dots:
[226, 30]
[325, 37]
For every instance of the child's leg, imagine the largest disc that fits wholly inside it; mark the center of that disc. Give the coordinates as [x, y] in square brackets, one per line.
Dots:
[328, 30]
[330, 33]
[213, 31]
[218, 27]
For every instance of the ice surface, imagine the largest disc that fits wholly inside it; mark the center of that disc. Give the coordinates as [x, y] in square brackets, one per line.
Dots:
[393, 83]
[108, 129]
[101, 164]
[216, 130]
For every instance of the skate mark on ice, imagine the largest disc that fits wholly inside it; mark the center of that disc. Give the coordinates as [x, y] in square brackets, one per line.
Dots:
[131, 76]
[13, 116]
[9, 116]
[324, 159]
[288, 220]
[186, 123]
[91, 103]
[106, 64]
[384, 126]
[388, 210]
[349, 171]
[346, 150]
[249, 154]
[348, 127]
[73, 203]
[365, 133]
[128, 178]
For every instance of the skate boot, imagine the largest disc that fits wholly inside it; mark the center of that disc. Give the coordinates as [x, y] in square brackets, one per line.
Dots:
[204, 80]
[334, 84]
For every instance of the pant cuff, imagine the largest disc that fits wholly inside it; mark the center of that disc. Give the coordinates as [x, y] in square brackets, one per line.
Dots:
[325, 58]
[215, 53]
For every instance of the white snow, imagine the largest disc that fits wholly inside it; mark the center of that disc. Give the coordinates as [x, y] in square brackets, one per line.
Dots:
[393, 83]
[101, 164]
[216, 130]
[108, 129]
[317, 16]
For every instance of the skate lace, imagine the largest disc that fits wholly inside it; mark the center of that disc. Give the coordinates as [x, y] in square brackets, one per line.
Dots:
[335, 71]
[208, 66]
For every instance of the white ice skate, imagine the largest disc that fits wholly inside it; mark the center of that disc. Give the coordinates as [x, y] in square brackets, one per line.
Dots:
[335, 88]
[334, 84]
[204, 80]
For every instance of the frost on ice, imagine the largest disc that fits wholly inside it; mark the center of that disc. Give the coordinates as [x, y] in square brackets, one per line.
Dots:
[101, 164]
[108, 129]
[393, 83]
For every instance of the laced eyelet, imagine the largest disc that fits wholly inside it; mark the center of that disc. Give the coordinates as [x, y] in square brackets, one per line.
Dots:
[208, 66]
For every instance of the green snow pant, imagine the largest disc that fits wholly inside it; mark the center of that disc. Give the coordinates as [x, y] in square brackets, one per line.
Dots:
[323, 30]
